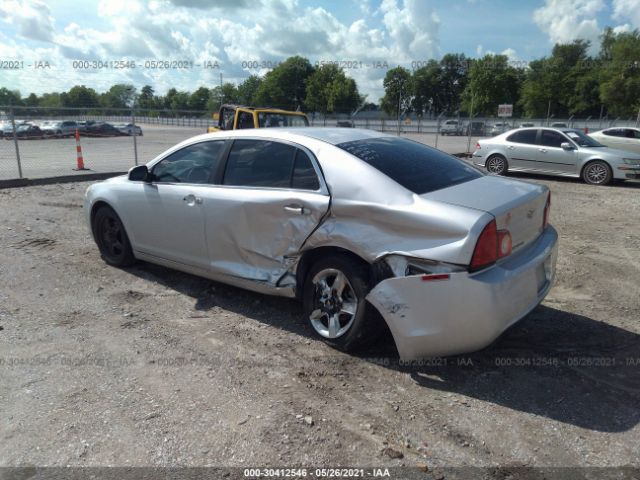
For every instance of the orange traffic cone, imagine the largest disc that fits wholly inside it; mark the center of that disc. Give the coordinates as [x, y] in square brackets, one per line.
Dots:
[79, 159]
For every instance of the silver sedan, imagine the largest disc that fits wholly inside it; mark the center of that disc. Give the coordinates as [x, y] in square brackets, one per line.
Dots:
[556, 151]
[362, 227]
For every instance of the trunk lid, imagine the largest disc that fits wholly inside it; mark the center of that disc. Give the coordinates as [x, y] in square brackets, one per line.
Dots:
[517, 206]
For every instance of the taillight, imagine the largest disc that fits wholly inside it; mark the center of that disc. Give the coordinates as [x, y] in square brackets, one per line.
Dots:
[478, 147]
[492, 245]
[486, 251]
[547, 207]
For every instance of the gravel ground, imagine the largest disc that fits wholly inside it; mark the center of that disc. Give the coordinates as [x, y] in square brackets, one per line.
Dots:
[150, 367]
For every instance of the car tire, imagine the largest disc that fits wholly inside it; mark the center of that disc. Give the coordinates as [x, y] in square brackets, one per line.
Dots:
[497, 165]
[597, 173]
[111, 238]
[342, 319]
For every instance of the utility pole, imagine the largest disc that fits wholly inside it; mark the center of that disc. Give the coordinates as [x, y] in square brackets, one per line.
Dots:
[399, 103]
[638, 119]
[221, 96]
[548, 112]
[601, 111]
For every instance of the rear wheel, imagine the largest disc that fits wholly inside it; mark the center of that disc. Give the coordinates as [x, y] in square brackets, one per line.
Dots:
[597, 173]
[497, 164]
[334, 302]
[112, 238]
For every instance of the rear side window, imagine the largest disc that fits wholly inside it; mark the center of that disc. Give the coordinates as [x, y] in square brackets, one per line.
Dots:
[550, 138]
[304, 175]
[263, 163]
[259, 163]
[191, 164]
[614, 132]
[523, 136]
[415, 166]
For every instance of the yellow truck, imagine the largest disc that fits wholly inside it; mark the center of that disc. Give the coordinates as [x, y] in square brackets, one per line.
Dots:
[234, 117]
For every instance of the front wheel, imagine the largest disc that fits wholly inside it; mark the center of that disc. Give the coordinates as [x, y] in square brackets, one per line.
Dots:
[112, 238]
[597, 173]
[334, 301]
[497, 164]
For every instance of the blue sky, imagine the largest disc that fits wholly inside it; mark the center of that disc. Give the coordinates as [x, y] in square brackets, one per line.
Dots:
[231, 32]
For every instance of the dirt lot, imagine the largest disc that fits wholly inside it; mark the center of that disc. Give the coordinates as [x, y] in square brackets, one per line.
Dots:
[147, 366]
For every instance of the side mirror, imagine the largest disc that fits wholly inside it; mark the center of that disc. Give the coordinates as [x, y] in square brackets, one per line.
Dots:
[139, 174]
[566, 146]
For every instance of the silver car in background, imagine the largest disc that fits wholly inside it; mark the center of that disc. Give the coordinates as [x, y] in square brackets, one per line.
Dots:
[553, 151]
[359, 225]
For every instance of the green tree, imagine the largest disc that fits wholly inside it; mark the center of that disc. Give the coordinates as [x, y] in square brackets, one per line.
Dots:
[119, 96]
[398, 91]
[285, 85]
[427, 88]
[10, 97]
[248, 90]
[146, 99]
[330, 90]
[80, 96]
[491, 81]
[620, 73]
[32, 100]
[50, 100]
[565, 82]
[198, 99]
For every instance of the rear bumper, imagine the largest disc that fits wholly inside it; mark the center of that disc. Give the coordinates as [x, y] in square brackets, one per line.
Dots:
[467, 312]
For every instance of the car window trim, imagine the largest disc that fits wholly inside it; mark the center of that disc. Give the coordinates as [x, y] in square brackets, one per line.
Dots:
[323, 190]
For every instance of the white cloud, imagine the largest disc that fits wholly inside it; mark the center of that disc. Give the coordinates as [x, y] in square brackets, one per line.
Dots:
[627, 10]
[568, 20]
[32, 18]
[227, 33]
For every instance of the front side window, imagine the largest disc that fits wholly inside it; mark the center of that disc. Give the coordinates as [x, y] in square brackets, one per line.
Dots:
[523, 136]
[245, 120]
[552, 139]
[191, 164]
[415, 166]
[613, 132]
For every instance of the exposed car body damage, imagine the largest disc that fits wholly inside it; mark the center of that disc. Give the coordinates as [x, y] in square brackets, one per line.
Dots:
[255, 238]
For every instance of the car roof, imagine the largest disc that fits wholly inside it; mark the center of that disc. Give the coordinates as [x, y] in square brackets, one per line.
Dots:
[331, 135]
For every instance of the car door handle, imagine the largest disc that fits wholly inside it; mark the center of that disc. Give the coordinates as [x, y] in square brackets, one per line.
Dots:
[511, 147]
[293, 208]
[192, 200]
[543, 150]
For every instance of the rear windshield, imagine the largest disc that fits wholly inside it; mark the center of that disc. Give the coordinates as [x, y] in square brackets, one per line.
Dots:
[413, 165]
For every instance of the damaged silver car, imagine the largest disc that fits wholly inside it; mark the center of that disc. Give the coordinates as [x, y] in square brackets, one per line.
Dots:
[354, 223]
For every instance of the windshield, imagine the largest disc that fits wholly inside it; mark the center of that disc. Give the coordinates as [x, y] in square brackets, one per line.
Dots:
[270, 120]
[413, 165]
[581, 139]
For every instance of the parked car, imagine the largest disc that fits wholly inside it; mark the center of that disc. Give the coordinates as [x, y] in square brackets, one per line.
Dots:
[361, 226]
[555, 151]
[66, 128]
[451, 127]
[621, 138]
[345, 124]
[102, 129]
[559, 125]
[129, 129]
[83, 125]
[28, 131]
[6, 129]
[475, 128]
[526, 125]
[498, 128]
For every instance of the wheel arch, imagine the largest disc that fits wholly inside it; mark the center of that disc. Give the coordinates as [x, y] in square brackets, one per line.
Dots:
[309, 257]
[591, 160]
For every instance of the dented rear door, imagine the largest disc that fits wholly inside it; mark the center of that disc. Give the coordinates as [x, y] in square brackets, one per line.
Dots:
[271, 199]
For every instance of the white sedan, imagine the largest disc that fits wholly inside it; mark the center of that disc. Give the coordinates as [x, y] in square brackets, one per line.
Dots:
[357, 224]
[621, 138]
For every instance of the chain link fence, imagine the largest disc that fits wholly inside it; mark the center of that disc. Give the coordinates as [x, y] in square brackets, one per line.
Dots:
[41, 142]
